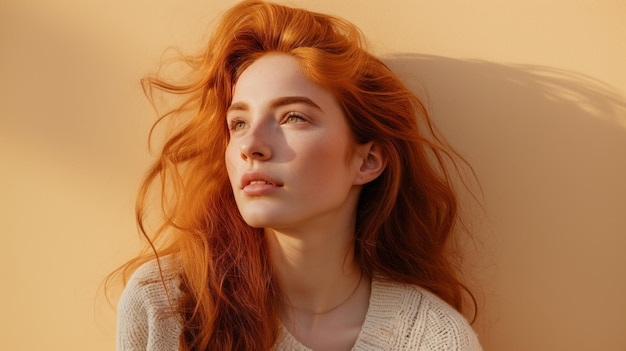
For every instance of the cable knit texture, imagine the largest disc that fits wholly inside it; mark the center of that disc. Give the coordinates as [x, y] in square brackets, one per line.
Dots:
[400, 317]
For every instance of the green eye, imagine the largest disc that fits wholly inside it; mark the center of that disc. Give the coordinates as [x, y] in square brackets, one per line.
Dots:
[236, 125]
[293, 117]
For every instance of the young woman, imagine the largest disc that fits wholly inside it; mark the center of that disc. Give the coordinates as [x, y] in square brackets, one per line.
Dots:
[305, 201]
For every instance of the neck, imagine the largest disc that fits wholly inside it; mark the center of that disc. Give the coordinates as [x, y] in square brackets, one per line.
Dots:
[316, 271]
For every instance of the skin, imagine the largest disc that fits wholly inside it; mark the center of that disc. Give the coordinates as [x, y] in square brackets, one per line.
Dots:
[296, 172]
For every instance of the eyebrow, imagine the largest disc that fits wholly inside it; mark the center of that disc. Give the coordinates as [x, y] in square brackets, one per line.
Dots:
[281, 101]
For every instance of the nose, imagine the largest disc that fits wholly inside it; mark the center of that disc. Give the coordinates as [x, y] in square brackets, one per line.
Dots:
[255, 145]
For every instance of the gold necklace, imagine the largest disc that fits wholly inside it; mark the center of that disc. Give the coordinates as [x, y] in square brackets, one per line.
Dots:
[338, 305]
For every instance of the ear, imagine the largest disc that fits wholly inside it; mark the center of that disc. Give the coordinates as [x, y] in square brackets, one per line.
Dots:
[372, 163]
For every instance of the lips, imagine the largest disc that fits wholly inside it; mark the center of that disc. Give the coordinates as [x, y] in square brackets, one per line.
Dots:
[257, 183]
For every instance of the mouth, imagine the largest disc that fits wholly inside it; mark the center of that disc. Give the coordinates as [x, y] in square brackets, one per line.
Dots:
[260, 182]
[258, 179]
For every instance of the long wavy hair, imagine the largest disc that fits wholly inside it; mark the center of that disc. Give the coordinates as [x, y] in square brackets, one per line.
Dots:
[405, 218]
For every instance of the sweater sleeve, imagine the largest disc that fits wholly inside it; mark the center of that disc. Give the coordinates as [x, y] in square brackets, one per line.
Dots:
[145, 320]
[437, 326]
[407, 317]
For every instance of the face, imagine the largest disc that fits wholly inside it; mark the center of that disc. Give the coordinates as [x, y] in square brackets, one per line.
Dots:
[290, 158]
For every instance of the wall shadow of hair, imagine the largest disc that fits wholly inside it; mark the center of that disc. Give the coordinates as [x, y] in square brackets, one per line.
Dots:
[549, 148]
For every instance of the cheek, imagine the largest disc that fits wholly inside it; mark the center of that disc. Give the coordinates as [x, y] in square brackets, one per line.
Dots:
[330, 155]
[229, 161]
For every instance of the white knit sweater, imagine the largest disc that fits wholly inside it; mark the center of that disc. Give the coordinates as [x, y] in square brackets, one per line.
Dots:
[400, 317]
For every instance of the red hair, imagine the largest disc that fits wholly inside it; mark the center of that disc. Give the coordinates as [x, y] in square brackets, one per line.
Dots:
[405, 218]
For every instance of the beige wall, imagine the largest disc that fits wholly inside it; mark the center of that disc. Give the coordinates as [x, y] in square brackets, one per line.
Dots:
[531, 91]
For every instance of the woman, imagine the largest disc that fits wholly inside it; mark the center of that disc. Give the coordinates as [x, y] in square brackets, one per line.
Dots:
[304, 205]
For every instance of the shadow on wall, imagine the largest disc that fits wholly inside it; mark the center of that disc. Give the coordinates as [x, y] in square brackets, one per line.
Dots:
[549, 147]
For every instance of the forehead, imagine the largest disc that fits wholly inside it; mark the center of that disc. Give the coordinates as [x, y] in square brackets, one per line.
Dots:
[277, 75]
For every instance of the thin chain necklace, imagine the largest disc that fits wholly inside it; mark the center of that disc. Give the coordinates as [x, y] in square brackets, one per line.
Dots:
[338, 305]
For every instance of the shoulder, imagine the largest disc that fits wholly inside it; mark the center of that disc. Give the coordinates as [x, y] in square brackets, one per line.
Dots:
[146, 317]
[153, 288]
[419, 320]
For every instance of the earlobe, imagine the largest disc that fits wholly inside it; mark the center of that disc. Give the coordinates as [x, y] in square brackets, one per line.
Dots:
[373, 163]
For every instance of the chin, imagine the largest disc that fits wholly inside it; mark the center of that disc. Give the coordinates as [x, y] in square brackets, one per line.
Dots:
[258, 220]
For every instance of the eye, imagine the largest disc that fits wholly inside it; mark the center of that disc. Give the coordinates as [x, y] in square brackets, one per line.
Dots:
[236, 124]
[294, 117]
